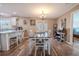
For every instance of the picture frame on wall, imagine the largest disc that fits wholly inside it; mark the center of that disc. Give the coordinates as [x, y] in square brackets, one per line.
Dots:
[64, 22]
[32, 22]
[25, 22]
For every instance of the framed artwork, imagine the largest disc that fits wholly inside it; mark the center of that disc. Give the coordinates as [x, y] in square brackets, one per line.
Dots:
[64, 23]
[25, 22]
[32, 22]
[17, 19]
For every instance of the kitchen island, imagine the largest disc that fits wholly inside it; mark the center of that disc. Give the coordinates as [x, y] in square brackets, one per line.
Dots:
[5, 37]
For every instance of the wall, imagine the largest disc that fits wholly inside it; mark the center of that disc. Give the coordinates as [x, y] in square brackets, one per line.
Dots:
[20, 23]
[69, 21]
[28, 27]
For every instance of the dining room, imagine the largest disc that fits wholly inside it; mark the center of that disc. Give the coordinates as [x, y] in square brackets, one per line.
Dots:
[37, 29]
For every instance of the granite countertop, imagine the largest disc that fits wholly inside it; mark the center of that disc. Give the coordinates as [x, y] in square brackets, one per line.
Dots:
[9, 31]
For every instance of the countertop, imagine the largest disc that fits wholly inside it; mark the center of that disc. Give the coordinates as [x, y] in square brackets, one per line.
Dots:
[9, 31]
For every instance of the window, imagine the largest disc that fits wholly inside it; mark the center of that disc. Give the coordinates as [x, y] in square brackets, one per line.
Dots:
[7, 23]
[76, 21]
[42, 26]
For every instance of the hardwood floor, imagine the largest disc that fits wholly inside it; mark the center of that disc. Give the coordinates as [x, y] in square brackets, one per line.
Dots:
[64, 49]
[57, 49]
[21, 49]
[40, 52]
[61, 49]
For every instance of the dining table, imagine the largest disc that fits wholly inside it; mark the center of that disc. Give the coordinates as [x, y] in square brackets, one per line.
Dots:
[40, 41]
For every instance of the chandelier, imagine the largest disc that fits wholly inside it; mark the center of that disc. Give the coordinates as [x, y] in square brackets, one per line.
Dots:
[43, 14]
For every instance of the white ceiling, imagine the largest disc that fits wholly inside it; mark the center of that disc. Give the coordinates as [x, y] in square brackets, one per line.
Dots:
[33, 9]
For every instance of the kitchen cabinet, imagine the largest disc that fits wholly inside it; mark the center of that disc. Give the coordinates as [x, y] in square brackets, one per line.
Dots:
[5, 39]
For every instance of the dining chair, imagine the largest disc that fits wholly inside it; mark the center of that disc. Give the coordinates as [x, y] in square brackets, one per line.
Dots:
[39, 43]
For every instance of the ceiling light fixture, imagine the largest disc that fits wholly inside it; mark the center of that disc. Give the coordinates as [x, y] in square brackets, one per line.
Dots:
[43, 14]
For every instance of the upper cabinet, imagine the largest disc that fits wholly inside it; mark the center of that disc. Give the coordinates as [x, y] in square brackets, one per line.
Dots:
[13, 23]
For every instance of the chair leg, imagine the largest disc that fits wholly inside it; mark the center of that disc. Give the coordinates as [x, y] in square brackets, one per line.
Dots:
[35, 51]
[17, 41]
[49, 49]
[44, 51]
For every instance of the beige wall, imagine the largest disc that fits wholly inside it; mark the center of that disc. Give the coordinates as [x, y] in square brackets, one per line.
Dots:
[50, 23]
[69, 24]
[28, 27]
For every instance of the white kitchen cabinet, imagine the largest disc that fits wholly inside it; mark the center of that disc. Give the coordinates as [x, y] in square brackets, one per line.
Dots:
[5, 39]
